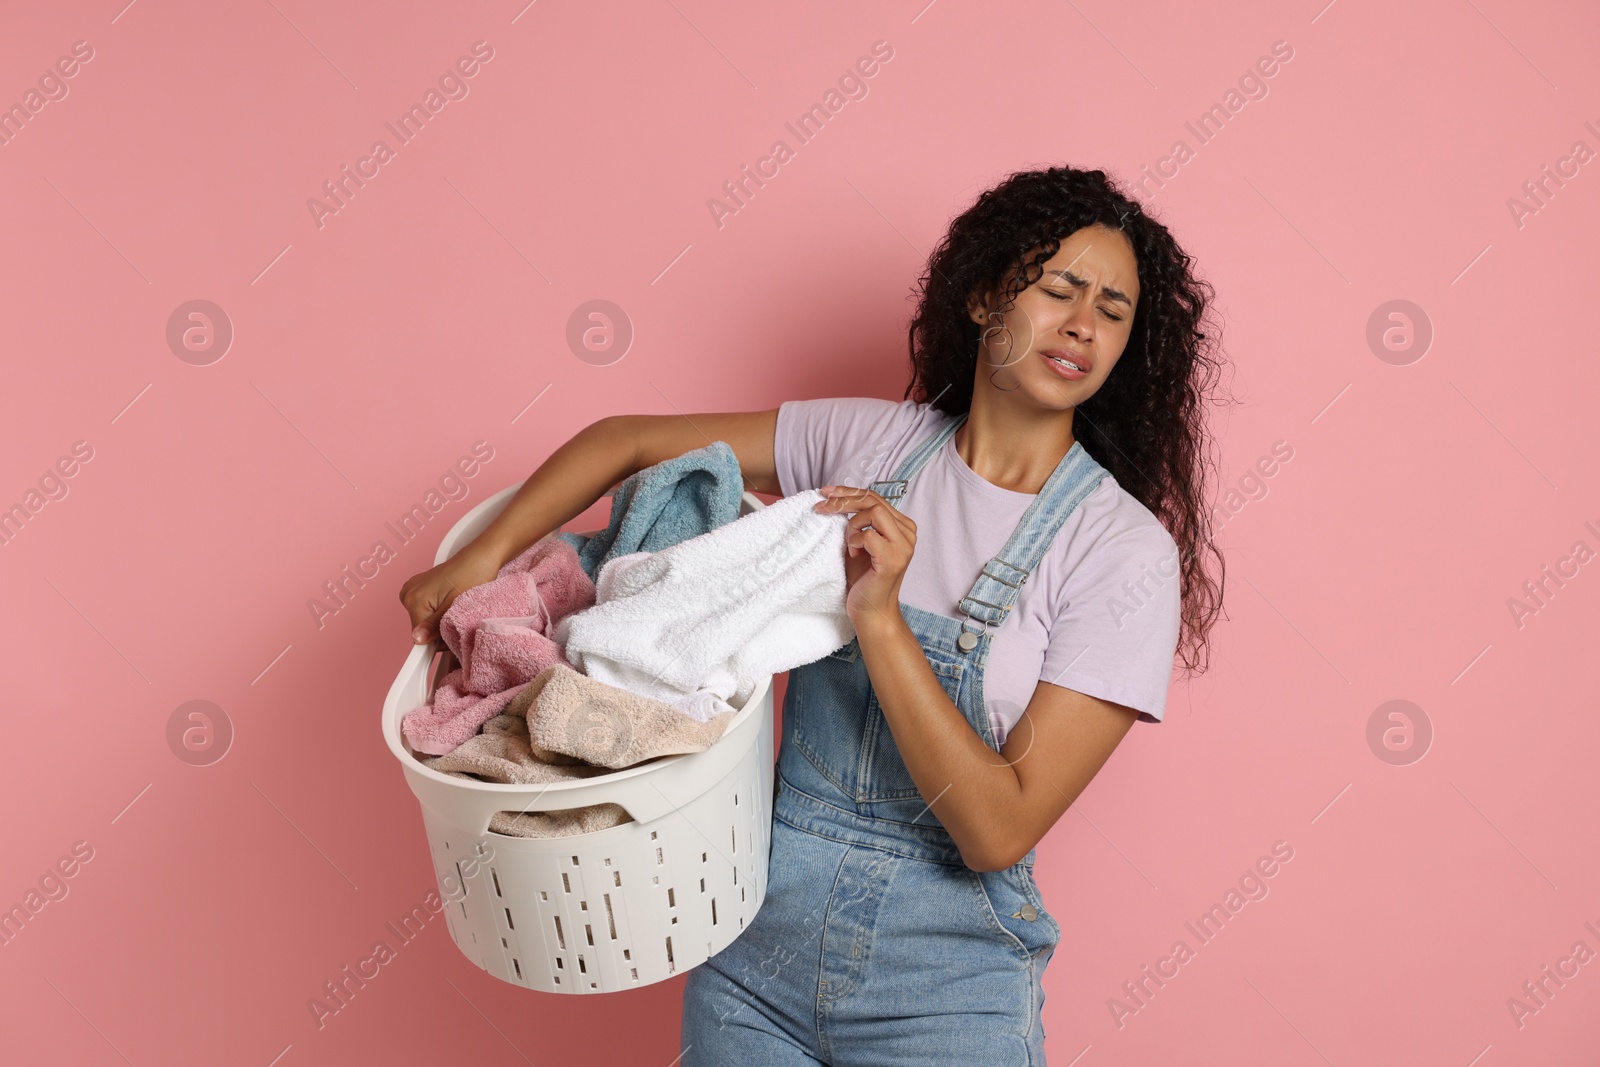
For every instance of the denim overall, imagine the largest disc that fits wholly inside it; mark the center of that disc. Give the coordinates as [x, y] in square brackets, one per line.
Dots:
[875, 943]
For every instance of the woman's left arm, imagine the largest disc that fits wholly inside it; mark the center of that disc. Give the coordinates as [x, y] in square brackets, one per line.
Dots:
[996, 806]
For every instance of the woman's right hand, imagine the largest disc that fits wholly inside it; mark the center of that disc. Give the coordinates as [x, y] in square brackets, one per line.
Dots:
[429, 594]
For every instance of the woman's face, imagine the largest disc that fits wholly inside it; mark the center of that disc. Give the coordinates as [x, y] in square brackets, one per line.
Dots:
[1079, 311]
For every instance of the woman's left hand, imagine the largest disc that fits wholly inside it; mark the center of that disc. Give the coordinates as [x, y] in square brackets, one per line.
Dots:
[876, 558]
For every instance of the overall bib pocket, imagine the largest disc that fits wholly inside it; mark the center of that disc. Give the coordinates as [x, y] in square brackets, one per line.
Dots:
[821, 708]
[882, 773]
[824, 714]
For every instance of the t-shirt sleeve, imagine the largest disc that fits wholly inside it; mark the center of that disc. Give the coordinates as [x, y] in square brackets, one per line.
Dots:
[1118, 634]
[833, 440]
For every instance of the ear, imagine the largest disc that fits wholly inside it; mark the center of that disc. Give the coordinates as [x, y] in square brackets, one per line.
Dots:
[979, 304]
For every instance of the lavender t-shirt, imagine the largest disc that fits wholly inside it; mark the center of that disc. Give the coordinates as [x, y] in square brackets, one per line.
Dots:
[1098, 614]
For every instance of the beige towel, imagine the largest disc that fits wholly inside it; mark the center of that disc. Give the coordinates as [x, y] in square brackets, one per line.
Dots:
[501, 754]
[581, 728]
[559, 823]
[572, 718]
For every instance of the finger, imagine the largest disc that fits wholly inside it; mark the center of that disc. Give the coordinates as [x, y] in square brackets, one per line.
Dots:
[426, 628]
[847, 497]
[871, 542]
[865, 525]
[881, 517]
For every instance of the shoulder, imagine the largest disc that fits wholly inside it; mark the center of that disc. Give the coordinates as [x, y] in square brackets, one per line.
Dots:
[843, 439]
[851, 435]
[1118, 612]
[859, 412]
[1117, 533]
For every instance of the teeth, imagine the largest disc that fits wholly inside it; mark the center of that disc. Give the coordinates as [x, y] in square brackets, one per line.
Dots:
[1067, 363]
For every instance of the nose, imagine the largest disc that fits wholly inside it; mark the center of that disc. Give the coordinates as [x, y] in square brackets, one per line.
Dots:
[1078, 322]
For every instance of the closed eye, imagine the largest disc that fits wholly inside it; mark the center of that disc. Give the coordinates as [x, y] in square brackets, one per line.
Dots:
[1066, 296]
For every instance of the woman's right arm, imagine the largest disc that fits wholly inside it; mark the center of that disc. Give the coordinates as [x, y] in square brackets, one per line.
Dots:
[577, 474]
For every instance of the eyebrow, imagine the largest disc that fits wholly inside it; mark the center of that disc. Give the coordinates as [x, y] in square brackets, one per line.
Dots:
[1108, 292]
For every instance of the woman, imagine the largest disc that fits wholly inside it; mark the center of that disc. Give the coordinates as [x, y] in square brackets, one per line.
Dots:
[1046, 464]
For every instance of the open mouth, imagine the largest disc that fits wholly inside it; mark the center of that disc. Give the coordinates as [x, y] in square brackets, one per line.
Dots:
[1067, 366]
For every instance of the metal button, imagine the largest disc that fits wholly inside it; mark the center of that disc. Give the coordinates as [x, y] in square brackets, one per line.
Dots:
[1028, 911]
[967, 641]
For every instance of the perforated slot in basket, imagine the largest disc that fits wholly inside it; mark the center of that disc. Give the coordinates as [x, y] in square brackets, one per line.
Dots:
[610, 918]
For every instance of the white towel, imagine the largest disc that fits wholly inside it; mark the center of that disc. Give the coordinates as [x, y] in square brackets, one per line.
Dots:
[702, 622]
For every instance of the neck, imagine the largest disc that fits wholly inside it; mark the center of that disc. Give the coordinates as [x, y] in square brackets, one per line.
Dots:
[1013, 445]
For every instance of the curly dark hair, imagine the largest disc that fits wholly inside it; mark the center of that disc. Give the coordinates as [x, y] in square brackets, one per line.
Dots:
[1144, 425]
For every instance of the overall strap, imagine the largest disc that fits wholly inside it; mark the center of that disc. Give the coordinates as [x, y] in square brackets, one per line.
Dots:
[991, 597]
[893, 489]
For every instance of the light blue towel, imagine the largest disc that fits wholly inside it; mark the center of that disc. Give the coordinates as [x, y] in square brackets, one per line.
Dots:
[662, 505]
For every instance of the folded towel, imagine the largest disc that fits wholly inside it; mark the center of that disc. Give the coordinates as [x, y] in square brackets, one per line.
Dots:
[664, 504]
[573, 717]
[501, 754]
[720, 612]
[499, 632]
[559, 823]
[564, 726]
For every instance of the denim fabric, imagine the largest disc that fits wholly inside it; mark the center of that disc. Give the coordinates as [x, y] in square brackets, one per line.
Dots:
[876, 944]
[664, 504]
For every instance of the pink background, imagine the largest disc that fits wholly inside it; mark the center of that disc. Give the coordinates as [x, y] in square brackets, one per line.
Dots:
[369, 354]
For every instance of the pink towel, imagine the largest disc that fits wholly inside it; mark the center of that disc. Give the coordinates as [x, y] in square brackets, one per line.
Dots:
[499, 633]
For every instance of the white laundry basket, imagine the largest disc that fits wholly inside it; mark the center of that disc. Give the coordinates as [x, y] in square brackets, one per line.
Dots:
[618, 908]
